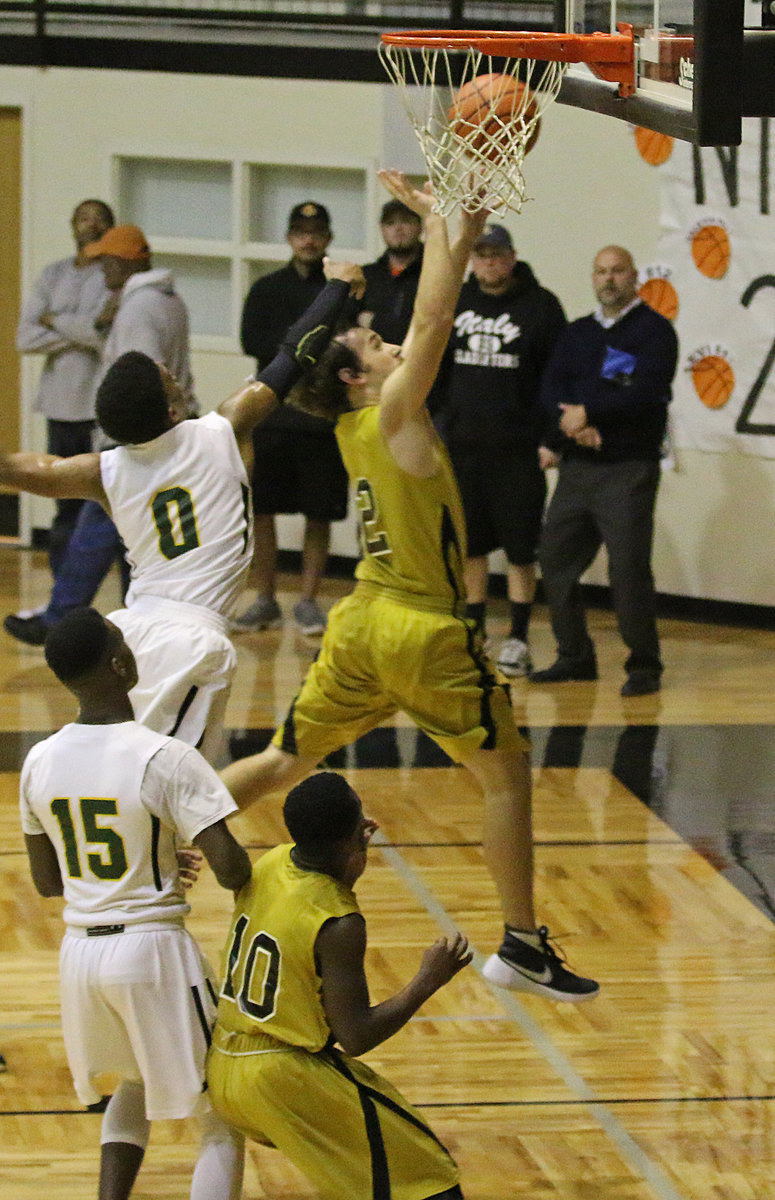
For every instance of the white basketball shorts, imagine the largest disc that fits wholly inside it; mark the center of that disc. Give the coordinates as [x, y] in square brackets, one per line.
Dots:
[185, 663]
[139, 1006]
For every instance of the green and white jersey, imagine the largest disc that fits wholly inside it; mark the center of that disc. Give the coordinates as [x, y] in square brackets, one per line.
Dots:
[114, 800]
[182, 506]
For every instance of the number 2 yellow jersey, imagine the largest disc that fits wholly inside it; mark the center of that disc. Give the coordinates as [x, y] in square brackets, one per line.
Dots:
[412, 529]
[271, 984]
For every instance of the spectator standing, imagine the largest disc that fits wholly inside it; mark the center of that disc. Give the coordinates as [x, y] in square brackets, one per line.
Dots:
[57, 321]
[142, 312]
[505, 327]
[136, 993]
[391, 280]
[275, 1071]
[606, 391]
[297, 464]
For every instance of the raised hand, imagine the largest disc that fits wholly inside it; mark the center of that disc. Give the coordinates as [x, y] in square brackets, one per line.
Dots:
[349, 273]
[420, 200]
[442, 961]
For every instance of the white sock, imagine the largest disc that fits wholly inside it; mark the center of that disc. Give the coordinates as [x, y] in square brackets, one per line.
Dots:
[125, 1119]
[530, 937]
[221, 1163]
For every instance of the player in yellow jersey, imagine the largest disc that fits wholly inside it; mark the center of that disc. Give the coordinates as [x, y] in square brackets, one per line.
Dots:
[401, 640]
[294, 986]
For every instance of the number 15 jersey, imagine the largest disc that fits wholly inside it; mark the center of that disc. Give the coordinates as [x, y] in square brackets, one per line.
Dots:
[182, 506]
[113, 800]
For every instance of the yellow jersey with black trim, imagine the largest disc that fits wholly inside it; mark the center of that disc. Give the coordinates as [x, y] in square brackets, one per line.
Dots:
[412, 530]
[271, 984]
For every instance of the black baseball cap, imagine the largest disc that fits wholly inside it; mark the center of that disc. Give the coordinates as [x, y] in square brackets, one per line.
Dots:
[397, 208]
[309, 210]
[494, 235]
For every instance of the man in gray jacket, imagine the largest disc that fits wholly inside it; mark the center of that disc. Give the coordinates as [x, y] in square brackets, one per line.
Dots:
[143, 312]
[149, 315]
[57, 322]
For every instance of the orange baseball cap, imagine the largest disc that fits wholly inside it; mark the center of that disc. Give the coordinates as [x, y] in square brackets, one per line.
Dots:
[122, 241]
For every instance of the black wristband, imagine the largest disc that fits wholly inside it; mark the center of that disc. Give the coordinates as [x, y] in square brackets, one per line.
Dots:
[306, 339]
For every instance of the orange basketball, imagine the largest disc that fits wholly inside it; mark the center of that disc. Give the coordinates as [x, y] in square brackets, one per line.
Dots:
[713, 380]
[484, 107]
[711, 251]
[660, 295]
[654, 148]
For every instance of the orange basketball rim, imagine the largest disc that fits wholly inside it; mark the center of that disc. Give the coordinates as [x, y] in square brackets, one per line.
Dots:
[432, 68]
[611, 56]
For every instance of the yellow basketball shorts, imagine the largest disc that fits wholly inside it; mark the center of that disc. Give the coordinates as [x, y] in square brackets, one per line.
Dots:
[380, 656]
[345, 1127]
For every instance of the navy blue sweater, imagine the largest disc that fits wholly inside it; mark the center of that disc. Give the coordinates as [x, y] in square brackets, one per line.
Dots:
[622, 376]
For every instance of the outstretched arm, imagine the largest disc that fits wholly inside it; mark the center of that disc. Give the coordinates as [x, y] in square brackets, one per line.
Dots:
[229, 860]
[443, 266]
[76, 478]
[300, 349]
[356, 1024]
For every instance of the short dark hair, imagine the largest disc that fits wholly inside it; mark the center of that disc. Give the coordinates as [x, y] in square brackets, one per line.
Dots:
[323, 393]
[132, 405]
[77, 644]
[321, 809]
[105, 209]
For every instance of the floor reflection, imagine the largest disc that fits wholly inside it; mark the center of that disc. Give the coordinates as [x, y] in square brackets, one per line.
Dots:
[711, 784]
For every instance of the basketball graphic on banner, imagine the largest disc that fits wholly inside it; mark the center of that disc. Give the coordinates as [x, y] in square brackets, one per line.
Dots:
[654, 148]
[660, 295]
[713, 379]
[711, 250]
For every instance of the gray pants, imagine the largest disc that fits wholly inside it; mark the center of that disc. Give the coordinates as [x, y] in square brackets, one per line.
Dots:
[598, 503]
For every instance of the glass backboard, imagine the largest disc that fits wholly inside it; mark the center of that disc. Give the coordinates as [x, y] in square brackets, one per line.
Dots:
[698, 69]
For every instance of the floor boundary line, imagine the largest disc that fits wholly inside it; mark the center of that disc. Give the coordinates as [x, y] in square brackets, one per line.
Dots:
[633, 1154]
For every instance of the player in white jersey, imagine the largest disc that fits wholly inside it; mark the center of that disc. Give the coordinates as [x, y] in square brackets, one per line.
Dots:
[102, 804]
[178, 491]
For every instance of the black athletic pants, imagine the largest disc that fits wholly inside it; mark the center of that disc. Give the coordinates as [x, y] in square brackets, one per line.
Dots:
[612, 504]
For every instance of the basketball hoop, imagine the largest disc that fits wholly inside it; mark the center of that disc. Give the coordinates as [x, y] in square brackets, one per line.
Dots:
[480, 163]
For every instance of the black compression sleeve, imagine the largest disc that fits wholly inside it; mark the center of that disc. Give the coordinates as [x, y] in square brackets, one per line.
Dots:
[306, 339]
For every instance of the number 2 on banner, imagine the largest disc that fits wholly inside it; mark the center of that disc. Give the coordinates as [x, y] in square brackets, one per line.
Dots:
[743, 423]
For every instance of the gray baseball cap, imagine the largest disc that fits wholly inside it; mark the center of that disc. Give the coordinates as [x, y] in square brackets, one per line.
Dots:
[495, 235]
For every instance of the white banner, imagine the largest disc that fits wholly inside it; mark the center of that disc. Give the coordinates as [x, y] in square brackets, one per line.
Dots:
[715, 277]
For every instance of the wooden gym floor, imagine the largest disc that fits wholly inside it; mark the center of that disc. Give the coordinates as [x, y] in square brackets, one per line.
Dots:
[655, 847]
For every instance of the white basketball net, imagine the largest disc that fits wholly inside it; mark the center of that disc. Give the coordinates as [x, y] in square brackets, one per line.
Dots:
[478, 164]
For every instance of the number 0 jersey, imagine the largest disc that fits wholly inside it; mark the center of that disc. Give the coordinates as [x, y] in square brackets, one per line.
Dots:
[412, 529]
[182, 506]
[112, 799]
[271, 983]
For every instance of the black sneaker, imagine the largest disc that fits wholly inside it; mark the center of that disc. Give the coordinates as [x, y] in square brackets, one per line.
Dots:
[31, 630]
[523, 968]
[641, 683]
[566, 669]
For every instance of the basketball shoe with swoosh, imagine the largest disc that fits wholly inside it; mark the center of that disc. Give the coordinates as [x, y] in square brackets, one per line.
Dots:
[540, 970]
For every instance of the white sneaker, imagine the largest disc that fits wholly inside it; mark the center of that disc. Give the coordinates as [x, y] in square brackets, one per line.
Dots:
[540, 970]
[514, 658]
